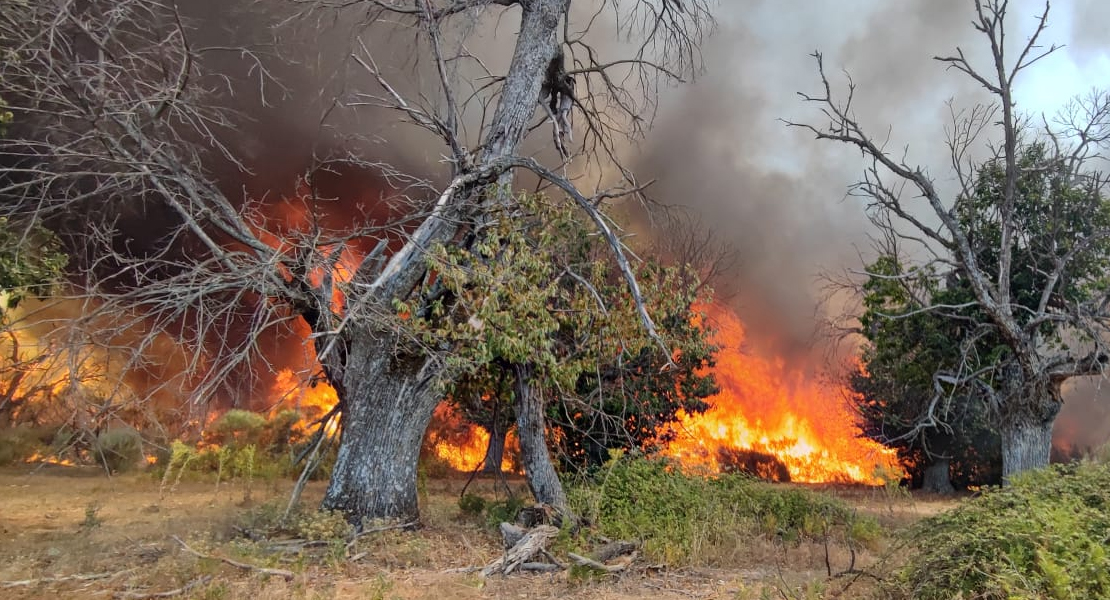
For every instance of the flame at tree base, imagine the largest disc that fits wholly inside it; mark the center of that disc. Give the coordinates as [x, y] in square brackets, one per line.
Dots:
[775, 422]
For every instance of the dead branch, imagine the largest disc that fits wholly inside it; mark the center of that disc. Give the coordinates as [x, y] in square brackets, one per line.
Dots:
[287, 575]
[530, 545]
[62, 578]
[622, 565]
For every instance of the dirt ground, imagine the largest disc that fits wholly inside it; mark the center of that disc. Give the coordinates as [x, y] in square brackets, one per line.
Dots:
[72, 532]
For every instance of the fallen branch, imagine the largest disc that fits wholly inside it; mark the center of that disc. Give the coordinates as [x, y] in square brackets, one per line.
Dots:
[582, 561]
[288, 575]
[533, 542]
[199, 581]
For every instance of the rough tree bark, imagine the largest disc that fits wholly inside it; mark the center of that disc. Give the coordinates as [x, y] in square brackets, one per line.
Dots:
[388, 405]
[1026, 429]
[539, 470]
[936, 476]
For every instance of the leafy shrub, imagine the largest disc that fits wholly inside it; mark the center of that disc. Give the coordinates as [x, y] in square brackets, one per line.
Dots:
[237, 427]
[119, 450]
[323, 525]
[472, 504]
[503, 511]
[684, 519]
[1046, 536]
[19, 443]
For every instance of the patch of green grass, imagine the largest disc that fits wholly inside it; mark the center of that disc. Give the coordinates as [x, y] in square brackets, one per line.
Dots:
[689, 519]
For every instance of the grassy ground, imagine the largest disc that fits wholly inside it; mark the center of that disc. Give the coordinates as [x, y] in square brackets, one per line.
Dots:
[71, 532]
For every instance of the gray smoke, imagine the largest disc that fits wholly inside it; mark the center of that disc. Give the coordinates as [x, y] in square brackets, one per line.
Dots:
[779, 195]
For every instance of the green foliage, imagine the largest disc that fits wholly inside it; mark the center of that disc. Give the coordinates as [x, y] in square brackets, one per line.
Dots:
[6, 117]
[119, 450]
[323, 525]
[237, 427]
[539, 290]
[1044, 537]
[269, 520]
[472, 504]
[31, 260]
[688, 519]
[906, 347]
[504, 511]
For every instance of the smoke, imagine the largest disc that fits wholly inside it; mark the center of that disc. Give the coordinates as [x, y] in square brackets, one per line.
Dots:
[777, 194]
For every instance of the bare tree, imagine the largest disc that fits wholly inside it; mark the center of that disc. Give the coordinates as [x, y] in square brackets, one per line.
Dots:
[115, 119]
[1021, 235]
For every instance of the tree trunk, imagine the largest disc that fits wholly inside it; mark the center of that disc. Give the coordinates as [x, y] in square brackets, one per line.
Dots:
[388, 405]
[540, 472]
[936, 477]
[495, 452]
[1026, 444]
[1027, 418]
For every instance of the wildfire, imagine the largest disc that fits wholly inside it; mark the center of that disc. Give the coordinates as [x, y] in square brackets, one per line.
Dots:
[39, 458]
[313, 400]
[463, 445]
[775, 421]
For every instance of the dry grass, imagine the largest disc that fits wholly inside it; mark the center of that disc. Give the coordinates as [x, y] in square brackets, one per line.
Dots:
[70, 521]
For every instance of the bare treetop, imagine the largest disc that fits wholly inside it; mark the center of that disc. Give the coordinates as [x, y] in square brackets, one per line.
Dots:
[1013, 234]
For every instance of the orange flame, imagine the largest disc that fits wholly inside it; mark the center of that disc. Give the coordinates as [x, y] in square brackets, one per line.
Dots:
[767, 411]
[463, 445]
[313, 399]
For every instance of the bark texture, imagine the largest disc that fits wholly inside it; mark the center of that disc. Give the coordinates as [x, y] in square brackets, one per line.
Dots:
[539, 470]
[388, 405]
[936, 477]
[389, 398]
[1026, 444]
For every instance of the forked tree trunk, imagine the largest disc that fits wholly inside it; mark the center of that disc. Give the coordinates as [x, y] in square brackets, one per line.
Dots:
[388, 405]
[936, 477]
[495, 452]
[540, 472]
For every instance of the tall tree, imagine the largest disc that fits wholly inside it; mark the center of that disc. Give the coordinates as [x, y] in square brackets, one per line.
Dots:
[1027, 237]
[116, 121]
[905, 348]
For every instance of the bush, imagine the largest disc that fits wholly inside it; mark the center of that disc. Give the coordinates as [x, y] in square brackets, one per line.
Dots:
[119, 450]
[237, 427]
[687, 519]
[1045, 536]
[19, 443]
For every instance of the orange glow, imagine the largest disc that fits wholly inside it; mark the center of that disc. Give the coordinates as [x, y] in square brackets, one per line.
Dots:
[313, 400]
[38, 457]
[765, 409]
[463, 445]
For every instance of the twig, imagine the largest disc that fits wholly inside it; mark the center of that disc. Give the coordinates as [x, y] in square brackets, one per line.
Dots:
[288, 575]
[199, 581]
[79, 577]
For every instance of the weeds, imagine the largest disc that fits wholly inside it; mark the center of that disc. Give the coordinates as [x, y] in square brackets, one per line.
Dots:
[1045, 536]
[684, 519]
